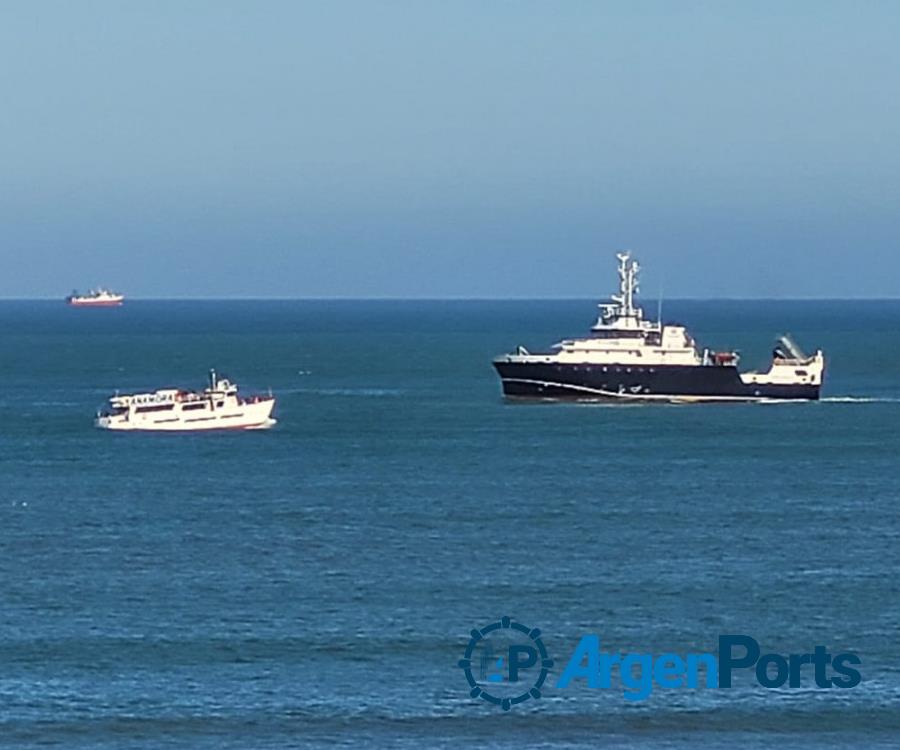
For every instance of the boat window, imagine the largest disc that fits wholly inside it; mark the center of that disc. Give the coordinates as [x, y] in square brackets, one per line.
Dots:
[161, 407]
[220, 404]
[192, 407]
[616, 334]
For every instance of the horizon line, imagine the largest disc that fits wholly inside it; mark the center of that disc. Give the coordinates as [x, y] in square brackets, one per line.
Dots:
[343, 298]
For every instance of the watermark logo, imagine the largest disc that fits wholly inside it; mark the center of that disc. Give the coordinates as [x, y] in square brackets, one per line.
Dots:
[506, 663]
[640, 673]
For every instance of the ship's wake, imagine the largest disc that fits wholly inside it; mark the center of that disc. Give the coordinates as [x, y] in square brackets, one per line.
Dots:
[861, 400]
[376, 392]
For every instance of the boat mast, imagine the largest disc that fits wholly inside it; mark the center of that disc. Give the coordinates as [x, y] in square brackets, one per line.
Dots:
[628, 284]
[622, 307]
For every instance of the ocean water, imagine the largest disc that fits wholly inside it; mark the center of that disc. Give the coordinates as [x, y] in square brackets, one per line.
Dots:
[315, 584]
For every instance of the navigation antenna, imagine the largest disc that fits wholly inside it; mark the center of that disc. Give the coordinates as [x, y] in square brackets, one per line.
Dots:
[659, 303]
[628, 285]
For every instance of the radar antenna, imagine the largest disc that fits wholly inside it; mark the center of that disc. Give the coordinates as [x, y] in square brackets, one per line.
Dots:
[628, 284]
[622, 306]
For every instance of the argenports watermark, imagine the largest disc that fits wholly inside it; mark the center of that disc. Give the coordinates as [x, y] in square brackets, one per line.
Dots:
[510, 661]
[507, 663]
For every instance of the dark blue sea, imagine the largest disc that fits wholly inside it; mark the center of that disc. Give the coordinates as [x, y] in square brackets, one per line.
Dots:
[315, 584]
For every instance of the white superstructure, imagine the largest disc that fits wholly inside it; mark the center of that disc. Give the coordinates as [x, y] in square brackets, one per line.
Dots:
[217, 407]
[622, 336]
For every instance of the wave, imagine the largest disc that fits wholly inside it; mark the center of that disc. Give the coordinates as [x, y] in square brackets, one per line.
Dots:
[347, 391]
[861, 400]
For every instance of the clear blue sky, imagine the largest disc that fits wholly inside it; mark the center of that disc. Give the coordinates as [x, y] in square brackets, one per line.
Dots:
[484, 149]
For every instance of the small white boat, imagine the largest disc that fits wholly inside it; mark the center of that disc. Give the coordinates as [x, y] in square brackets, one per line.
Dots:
[217, 407]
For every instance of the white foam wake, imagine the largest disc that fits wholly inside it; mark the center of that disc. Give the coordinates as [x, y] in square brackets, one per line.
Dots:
[861, 400]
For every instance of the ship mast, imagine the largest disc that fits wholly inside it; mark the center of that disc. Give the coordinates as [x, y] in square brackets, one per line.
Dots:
[628, 286]
[622, 312]
[623, 306]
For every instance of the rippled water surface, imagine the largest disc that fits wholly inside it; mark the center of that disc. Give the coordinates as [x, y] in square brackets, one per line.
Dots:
[315, 584]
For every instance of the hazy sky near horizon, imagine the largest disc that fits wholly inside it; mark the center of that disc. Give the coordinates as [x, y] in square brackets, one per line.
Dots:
[463, 149]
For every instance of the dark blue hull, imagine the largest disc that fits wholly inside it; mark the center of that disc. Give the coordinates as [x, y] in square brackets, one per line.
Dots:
[657, 383]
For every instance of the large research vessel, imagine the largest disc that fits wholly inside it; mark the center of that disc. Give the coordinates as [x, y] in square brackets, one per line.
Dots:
[627, 358]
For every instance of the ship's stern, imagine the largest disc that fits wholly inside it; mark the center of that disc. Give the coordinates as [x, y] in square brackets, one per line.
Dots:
[107, 421]
[789, 377]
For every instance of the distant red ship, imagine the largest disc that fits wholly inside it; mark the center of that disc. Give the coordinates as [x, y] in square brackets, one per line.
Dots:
[96, 298]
